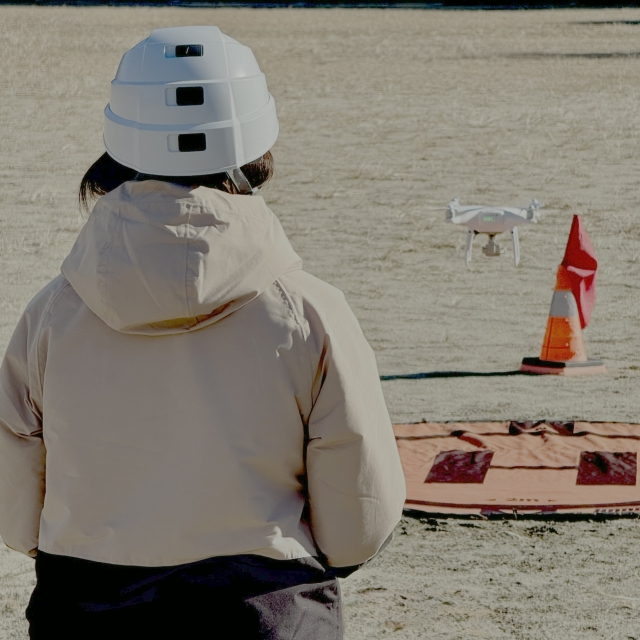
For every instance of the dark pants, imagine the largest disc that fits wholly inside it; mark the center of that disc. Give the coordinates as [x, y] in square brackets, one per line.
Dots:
[236, 597]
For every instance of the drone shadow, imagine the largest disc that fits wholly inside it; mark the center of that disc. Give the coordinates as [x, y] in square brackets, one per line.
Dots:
[452, 374]
[587, 56]
[596, 22]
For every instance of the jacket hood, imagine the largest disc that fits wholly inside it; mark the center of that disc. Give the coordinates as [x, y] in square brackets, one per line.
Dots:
[158, 258]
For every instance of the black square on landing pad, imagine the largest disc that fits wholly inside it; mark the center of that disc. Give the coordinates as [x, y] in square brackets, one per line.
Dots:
[457, 466]
[607, 467]
[192, 142]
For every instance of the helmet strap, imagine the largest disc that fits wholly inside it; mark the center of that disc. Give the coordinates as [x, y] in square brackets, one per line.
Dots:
[240, 181]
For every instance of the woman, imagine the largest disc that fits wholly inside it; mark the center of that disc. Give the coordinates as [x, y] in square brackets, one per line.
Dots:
[193, 438]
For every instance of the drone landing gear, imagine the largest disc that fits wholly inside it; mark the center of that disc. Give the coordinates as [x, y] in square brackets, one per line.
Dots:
[516, 246]
[471, 234]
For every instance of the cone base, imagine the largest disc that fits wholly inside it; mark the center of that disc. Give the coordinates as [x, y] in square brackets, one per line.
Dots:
[566, 368]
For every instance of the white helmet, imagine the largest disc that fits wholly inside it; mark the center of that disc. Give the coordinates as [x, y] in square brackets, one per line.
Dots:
[189, 101]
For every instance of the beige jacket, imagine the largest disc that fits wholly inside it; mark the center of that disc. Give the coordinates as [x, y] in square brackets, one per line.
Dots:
[156, 398]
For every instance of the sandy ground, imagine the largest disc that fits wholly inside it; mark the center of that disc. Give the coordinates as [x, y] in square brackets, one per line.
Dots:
[385, 116]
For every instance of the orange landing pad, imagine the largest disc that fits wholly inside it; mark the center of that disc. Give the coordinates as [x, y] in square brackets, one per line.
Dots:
[521, 467]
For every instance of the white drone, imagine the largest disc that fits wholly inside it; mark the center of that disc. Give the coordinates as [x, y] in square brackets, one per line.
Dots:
[492, 221]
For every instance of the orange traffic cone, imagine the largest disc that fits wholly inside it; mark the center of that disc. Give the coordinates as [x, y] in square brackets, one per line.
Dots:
[563, 351]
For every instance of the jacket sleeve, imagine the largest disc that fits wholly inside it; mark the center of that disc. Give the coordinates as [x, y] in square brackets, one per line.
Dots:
[355, 481]
[22, 452]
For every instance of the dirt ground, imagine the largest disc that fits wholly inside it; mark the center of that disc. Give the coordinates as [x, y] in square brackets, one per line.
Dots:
[385, 116]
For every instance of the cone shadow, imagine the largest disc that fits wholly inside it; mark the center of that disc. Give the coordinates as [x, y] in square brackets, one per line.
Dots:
[451, 374]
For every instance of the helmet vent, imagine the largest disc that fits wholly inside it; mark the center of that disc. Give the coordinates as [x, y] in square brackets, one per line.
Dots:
[189, 50]
[186, 96]
[192, 142]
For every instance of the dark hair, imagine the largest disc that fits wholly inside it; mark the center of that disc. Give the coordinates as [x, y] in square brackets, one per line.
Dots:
[105, 175]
